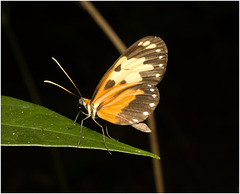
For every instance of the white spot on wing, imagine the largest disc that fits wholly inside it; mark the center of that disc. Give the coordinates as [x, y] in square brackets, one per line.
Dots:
[152, 104]
[151, 46]
[140, 43]
[135, 120]
[149, 85]
[160, 65]
[154, 95]
[160, 57]
[145, 113]
[157, 75]
[158, 50]
[146, 43]
[152, 90]
[130, 122]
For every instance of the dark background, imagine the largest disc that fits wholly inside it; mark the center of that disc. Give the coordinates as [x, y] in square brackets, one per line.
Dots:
[197, 116]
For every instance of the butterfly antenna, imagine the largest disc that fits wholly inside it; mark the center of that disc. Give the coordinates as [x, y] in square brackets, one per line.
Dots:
[68, 78]
[53, 83]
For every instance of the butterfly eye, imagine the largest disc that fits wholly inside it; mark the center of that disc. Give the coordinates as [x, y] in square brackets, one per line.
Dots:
[80, 101]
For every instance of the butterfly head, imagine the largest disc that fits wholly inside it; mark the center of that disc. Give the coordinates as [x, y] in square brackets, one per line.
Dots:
[88, 106]
[82, 102]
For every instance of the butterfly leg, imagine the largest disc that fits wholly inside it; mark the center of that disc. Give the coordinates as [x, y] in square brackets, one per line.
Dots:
[75, 120]
[79, 141]
[109, 135]
[103, 135]
[84, 113]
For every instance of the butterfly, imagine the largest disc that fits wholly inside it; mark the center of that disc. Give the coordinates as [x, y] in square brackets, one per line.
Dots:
[127, 93]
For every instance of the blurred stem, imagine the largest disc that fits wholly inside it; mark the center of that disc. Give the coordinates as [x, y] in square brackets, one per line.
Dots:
[103, 24]
[118, 43]
[157, 165]
[22, 65]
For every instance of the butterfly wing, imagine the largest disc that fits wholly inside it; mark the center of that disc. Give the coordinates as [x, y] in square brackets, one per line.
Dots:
[126, 94]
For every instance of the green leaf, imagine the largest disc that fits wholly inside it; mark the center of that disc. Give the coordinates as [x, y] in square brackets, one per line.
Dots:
[27, 124]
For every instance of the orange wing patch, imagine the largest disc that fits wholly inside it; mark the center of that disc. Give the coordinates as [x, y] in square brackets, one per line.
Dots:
[110, 110]
[109, 96]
